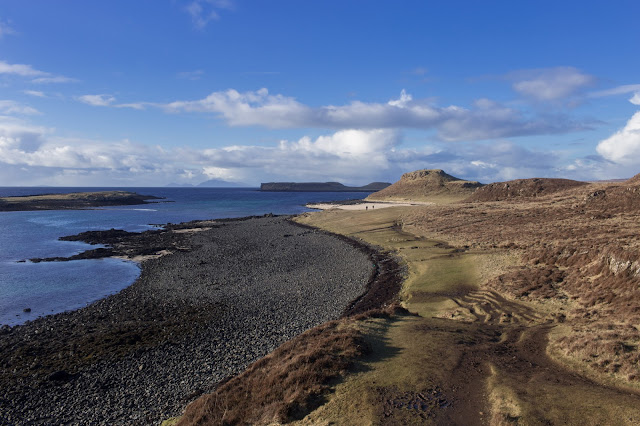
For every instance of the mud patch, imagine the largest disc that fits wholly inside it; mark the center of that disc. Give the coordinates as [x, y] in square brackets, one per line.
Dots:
[396, 405]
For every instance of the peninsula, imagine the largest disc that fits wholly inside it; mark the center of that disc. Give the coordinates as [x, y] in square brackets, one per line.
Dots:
[76, 200]
[320, 187]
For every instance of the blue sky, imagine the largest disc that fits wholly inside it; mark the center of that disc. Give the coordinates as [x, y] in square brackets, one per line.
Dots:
[149, 92]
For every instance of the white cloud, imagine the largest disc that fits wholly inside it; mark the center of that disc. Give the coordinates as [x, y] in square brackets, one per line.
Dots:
[484, 120]
[550, 84]
[17, 134]
[24, 70]
[347, 155]
[5, 29]
[351, 156]
[135, 105]
[204, 11]
[250, 108]
[13, 107]
[35, 93]
[191, 75]
[54, 79]
[623, 147]
[620, 90]
[635, 99]
[419, 71]
[354, 150]
[105, 100]
[20, 69]
[97, 100]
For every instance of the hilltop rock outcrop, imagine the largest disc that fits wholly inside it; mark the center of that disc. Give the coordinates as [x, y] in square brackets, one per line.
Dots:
[426, 185]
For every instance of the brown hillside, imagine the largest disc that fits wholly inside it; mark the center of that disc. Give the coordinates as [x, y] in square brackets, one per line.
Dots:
[634, 180]
[519, 188]
[615, 199]
[580, 250]
[426, 185]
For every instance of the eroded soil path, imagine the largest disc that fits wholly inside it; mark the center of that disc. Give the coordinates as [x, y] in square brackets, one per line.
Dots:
[468, 355]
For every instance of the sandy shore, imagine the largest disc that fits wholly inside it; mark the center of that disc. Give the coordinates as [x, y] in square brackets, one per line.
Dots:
[231, 294]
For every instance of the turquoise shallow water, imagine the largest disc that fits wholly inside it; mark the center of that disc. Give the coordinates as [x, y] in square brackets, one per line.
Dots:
[52, 287]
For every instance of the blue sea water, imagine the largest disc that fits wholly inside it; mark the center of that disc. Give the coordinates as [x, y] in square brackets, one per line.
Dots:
[51, 287]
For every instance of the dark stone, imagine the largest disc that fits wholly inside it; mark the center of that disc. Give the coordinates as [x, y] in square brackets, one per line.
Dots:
[60, 376]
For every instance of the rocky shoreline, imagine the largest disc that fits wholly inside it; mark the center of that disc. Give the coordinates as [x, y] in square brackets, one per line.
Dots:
[230, 293]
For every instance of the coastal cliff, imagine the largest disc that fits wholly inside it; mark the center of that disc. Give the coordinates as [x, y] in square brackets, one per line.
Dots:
[320, 187]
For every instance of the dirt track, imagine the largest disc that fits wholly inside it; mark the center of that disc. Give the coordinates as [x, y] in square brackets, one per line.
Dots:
[476, 354]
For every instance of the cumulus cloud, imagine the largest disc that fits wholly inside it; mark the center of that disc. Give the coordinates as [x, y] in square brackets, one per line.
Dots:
[16, 134]
[346, 155]
[204, 11]
[623, 147]
[249, 108]
[351, 156]
[550, 84]
[485, 119]
[635, 99]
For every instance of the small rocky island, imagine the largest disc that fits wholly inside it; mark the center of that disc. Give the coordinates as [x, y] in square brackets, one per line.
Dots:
[76, 200]
[320, 187]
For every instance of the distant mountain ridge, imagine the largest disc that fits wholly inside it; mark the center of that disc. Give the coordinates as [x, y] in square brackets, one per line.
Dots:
[320, 187]
[211, 183]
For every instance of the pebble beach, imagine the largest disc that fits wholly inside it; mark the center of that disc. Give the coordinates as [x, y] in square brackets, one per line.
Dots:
[232, 293]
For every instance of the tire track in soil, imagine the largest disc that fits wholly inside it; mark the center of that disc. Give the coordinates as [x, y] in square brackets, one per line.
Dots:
[514, 357]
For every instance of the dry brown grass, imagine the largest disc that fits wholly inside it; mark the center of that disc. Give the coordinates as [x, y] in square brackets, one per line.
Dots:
[579, 246]
[578, 265]
[285, 385]
[522, 188]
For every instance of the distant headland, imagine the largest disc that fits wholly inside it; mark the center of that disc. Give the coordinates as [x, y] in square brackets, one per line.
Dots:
[76, 200]
[320, 187]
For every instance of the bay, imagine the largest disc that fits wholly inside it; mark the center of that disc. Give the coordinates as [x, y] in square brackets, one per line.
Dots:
[51, 287]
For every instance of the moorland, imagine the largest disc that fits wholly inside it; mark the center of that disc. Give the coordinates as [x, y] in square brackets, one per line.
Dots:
[520, 305]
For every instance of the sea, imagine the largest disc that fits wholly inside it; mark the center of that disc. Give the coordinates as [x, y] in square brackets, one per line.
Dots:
[29, 290]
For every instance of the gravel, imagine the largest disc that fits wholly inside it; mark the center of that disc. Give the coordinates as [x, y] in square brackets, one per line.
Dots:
[192, 319]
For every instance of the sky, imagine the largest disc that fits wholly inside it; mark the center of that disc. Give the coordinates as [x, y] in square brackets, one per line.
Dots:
[153, 92]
